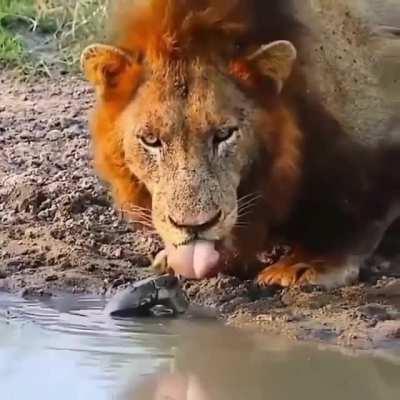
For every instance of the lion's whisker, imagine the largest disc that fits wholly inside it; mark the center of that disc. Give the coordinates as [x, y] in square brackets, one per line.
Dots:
[252, 200]
[244, 207]
[143, 220]
[249, 203]
[141, 223]
[136, 212]
[245, 214]
[140, 219]
[138, 209]
[249, 195]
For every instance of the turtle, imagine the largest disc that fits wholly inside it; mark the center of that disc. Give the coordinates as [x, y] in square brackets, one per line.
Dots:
[155, 296]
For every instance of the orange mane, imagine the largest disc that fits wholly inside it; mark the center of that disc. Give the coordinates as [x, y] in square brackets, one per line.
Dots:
[316, 183]
[168, 31]
[171, 29]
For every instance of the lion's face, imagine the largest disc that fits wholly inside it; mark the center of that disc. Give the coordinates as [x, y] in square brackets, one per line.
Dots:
[189, 132]
[190, 137]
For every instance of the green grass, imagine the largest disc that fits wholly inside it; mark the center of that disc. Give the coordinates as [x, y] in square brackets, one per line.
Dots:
[77, 23]
[12, 49]
[65, 26]
[17, 9]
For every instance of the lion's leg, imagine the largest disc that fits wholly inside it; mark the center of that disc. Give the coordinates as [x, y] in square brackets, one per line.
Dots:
[303, 268]
[300, 268]
[376, 230]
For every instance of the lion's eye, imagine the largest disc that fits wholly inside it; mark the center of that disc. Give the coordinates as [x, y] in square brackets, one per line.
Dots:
[151, 141]
[224, 134]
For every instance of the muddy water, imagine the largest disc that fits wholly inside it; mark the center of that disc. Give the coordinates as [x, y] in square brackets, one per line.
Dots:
[67, 349]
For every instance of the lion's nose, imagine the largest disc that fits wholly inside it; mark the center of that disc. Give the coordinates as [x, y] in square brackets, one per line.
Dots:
[199, 223]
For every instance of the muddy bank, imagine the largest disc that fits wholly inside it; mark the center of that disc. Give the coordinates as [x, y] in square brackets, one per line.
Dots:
[59, 232]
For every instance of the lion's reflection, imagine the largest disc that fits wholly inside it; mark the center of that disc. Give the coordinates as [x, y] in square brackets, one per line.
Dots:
[213, 363]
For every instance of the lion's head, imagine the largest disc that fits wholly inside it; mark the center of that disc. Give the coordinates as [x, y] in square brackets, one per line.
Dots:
[187, 121]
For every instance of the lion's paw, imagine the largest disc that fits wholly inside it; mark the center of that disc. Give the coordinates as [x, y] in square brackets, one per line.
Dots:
[160, 263]
[326, 274]
[288, 275]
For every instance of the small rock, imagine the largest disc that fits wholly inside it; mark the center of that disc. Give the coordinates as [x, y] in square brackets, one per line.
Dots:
[33, 292]
[117, 253]
[375, 311]
[54, 135]
[30, 233]
[51, 278]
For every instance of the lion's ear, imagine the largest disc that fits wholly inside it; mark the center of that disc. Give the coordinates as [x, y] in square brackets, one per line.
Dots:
[105, 66]
[275, 60]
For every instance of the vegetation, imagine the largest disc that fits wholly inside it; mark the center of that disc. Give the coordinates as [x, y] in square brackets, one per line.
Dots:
[37, 33]
[11, 46]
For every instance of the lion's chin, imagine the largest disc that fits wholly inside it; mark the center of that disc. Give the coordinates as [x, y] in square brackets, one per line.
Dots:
[196, 260]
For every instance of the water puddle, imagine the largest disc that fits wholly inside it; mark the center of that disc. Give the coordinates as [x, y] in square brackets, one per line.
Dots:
[68, 349]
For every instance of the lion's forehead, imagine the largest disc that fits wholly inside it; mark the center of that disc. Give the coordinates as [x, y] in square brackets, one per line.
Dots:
[197, 101]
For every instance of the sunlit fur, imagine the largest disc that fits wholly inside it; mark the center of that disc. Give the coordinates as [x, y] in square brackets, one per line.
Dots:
[184, 72]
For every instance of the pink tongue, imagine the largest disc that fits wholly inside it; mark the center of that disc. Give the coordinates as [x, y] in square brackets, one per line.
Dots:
[194, 261]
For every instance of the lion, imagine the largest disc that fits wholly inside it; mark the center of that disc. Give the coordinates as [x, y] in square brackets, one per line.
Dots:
[208, 130]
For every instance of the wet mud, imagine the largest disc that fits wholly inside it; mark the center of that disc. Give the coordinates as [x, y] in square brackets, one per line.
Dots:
[59, 233]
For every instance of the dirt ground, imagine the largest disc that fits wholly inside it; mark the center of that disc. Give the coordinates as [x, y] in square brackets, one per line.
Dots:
[59, 232]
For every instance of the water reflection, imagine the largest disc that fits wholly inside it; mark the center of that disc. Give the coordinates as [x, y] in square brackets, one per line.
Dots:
[70, 350]
[215, 363]
[171, 387]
